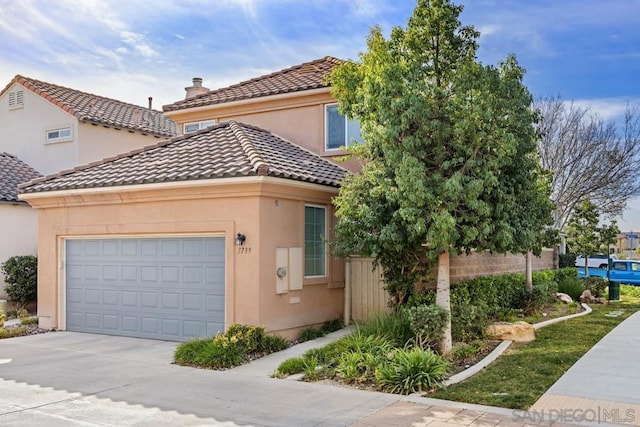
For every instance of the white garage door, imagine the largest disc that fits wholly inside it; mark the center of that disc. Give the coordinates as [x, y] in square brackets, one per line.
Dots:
[160, 288]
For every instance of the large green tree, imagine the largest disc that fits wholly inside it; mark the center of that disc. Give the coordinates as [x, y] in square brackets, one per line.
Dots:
[448, 156]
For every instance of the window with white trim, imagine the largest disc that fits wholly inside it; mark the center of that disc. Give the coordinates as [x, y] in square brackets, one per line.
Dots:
[338, 130]
[16, 99]
[59, 135]
[315, 241]
[192, 127]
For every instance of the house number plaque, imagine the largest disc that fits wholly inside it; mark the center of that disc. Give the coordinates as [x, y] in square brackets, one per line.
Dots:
[244, 250]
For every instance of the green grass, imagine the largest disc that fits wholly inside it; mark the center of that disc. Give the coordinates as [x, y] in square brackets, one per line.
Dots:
[13, 332]
[525, 371]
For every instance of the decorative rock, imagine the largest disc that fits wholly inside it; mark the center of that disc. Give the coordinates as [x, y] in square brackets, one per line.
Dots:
[587, 297]
[601, 300]
[518, 331]
[564, 298]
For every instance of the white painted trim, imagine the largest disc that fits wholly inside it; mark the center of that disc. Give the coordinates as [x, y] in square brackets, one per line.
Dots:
[296, 94]
[180, 184]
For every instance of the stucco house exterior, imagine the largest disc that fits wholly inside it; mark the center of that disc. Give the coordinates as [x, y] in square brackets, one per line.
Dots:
[51, 128]
[17, 219]
[181, 239]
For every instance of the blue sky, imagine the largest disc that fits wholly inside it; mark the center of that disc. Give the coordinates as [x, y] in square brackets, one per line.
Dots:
[587, 51]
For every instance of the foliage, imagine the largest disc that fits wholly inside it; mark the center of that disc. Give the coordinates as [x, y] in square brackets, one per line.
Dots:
[630, 290]
[567, 260]
[469, 322]
[22, 314]
[326, 328]
[229, 349]
[584, 235]
[521, 375]
[466, 352]
[427, 324]
[2, 319]
[589, 157]
[309, 334]
[529, 301]
[596, 285]
[21, 276]
[412, 370]
[291, 366]
[12, 332]
[572, 287]
[29, 321]
[448, 153]
[394, 326]
[565, 273]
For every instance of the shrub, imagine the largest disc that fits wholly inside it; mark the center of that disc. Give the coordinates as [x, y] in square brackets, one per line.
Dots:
[310, 334]
[567, 260]
[466, 352]
[394, 326]
[427, 324]
[13, 332]
[468, 323]
[30, 321]
[355, 366]
[572, 287]
[565, 274]
[21, 276]
[2, 319]
[363, 343]
[529, 301]
[228, 349]
[632, 291]
[595, 285]
[291, 366]
[332, 326]
[412, 370]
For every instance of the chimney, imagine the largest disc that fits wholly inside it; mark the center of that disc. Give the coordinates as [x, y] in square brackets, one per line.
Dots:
[150, 103]
[196, 89]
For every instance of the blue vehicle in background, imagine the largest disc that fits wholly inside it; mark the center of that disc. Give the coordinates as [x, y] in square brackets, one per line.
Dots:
[623, 271]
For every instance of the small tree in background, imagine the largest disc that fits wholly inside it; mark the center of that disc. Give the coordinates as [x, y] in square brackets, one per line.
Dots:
[582, 231]
[608, 235]
[21, 277]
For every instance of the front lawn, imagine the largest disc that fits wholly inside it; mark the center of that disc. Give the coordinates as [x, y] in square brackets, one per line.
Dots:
[525, 371]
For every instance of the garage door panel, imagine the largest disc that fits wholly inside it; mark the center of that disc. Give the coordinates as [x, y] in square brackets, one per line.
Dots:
[170, 289]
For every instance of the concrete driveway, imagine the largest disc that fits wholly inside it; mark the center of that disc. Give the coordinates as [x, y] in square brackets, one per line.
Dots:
[67, 378]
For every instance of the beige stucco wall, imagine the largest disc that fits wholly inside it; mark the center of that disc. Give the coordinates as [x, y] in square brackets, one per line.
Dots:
[297, 117]
[18, 227]
[217, 207]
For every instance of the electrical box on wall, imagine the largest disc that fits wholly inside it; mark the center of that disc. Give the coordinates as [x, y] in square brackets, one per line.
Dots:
[288, 270]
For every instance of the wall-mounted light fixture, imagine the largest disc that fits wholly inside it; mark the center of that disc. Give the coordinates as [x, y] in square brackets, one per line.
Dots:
[240, 238]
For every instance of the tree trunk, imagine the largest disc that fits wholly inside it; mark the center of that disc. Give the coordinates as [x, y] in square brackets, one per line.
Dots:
[529, 271]
[443, 300]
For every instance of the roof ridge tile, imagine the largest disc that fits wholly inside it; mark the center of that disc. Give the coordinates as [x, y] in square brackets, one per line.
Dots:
[259, 165]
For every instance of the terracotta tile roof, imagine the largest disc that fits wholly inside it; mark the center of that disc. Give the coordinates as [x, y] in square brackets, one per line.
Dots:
[13, 171]
[309, 75]
[90, 108]
[226, 150]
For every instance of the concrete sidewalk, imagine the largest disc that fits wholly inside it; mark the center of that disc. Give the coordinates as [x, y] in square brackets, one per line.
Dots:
[603, 387]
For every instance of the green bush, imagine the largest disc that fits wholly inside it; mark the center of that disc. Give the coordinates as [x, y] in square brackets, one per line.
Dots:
[2, 319]
[466, 352]
[427, 324]
[358, 367]
[310, 334]
[468, 323]
[567, 260]
[565, 274]
[29, 321]
[291, 366]
[229, 349]
[412, 370]
[571, 286]
[529, 301]
[394, 326]
[596, 285]
[630, 290]
[13, 332]
[332, 326]
[21, 276]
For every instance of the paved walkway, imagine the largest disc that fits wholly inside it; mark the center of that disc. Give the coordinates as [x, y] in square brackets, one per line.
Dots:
[71, 379]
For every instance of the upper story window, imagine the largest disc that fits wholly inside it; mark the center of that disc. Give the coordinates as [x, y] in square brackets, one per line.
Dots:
[192, 127]
[16, 99]
[339, 131]
[59, 135]
[315, 236]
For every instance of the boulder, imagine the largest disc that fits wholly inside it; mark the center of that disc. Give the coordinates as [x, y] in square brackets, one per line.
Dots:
[564, 298]
[518, 331]
[587, 297]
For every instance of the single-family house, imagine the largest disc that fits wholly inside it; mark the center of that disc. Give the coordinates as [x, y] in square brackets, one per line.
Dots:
[17, 219]
[227, 223]
[51, 128]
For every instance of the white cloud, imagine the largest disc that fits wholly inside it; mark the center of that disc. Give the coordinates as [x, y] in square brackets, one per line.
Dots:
[137, 42]
[608, 108]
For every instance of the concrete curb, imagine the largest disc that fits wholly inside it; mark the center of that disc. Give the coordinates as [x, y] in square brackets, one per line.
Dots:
[497, 352]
